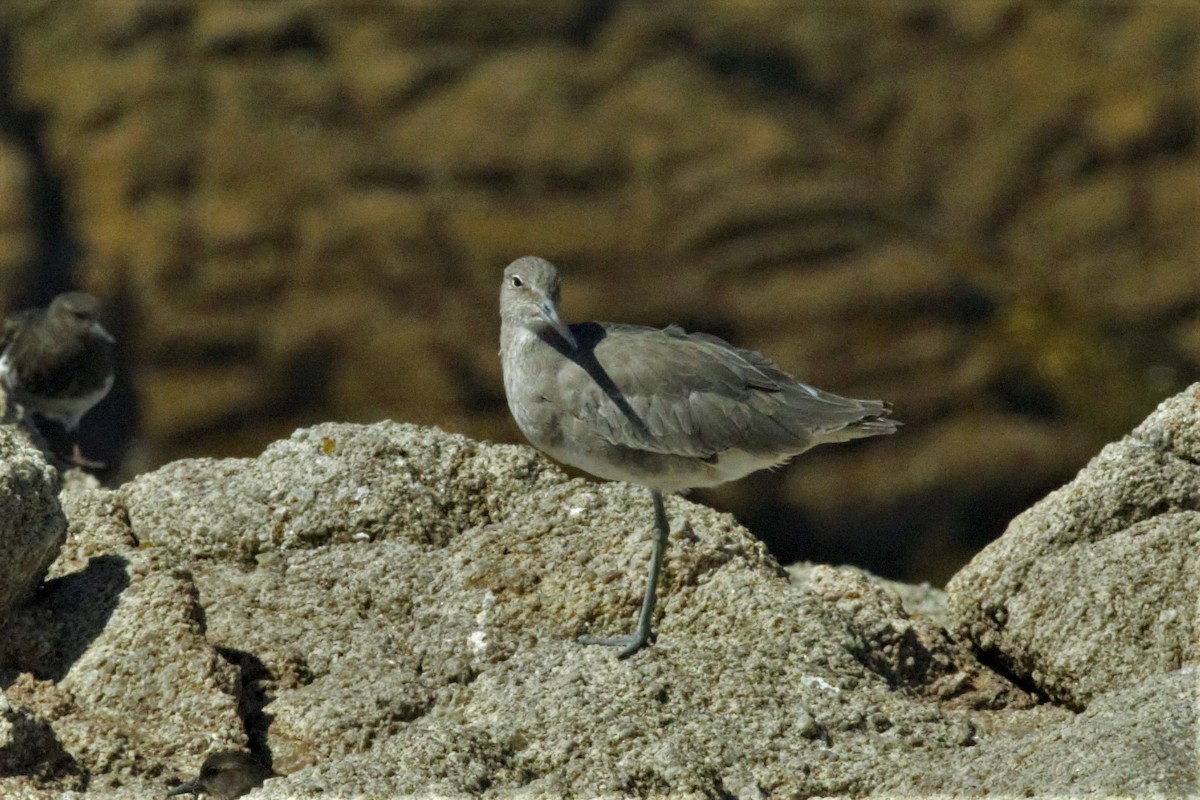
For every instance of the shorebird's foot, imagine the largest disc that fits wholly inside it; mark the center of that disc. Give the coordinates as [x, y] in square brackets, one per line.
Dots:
[632, 642]
[78, 459]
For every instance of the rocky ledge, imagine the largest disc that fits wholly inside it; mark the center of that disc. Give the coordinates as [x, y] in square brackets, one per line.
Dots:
[390, 610]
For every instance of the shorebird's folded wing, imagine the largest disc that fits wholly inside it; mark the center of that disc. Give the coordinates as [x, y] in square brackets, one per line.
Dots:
[666, 391]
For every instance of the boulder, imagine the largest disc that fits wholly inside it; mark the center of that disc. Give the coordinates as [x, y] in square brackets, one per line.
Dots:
[1094, 588]
[32, 524]
[389, 610]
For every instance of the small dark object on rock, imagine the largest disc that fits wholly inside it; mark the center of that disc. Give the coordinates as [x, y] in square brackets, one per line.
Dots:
[226, 775]
[57, 362]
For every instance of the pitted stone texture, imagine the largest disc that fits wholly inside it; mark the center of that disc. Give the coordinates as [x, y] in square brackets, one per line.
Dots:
[129, 683]
[754, 685]
[427, 646]
[327, 484]
[1095, 587]
[411, 589]
[1138, 741]
[32, 525]
[29, 747]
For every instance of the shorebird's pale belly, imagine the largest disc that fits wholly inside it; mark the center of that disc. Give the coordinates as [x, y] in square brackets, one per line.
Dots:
[69, 410]
[65, 410]
[662, 471]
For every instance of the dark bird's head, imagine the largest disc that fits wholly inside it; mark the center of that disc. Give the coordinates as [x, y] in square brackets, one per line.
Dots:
[77, 312]
[529, 298]
[226, 775]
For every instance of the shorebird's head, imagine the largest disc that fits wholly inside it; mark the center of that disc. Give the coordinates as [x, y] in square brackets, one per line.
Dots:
[226, 775]
[79, 313]
[529, 298]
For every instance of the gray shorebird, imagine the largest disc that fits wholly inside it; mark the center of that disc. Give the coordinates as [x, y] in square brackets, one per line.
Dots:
[226, 775]
[665, 409]
[57, 362]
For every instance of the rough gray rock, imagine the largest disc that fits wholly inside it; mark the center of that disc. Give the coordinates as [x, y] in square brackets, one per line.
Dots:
[1095, 588]
[391, 610]
[29, 747]
[32, 525]
[114, 660]
[332, 484]
[1138, 742]
[400, 565]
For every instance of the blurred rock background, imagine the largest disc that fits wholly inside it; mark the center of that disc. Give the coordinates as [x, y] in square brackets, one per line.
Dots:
[985, 212]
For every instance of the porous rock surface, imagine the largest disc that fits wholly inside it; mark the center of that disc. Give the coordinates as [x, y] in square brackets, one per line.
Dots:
[32, 525]
[1096, 587]
[1138, 742]
[389, 610]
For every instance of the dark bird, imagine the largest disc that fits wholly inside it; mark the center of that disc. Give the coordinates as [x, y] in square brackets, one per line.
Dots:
[664, 408]
[225, 775]
[58, 362]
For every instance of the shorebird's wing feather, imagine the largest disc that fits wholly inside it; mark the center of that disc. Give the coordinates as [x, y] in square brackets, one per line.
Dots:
[50, 365]
[694, 395]
[13, 324]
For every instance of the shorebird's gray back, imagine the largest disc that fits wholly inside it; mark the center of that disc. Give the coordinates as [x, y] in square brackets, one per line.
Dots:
[662, 408]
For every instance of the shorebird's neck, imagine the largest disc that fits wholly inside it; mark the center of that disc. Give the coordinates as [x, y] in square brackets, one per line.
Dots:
[519, 340]
[511, 337]
[519, 344]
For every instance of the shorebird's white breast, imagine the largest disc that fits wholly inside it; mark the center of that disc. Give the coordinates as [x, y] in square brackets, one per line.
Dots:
[6, 372]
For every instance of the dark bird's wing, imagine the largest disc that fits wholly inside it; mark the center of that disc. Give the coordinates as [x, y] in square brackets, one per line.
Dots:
[50, 362]
[13, 324]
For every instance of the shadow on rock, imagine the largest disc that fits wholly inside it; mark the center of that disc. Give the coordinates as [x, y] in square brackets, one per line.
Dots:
[254, 681]
[31, 749]
[50, 633]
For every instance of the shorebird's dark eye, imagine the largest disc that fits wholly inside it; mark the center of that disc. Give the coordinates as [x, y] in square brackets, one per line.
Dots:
[517, 282]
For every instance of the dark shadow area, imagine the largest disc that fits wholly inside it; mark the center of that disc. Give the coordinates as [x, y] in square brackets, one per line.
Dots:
[480, 394]
[34, 751]
[108, 428]
[996, 664]
[57, 247]
[148, 21]
[297, 35]
[587, 336]
[928, 538]
[253, 680]
[303, 383]
[107, 431]
[593, 16]
[1023, 392]
[791, 535]
[48, 635]
[904, 660]
[306, 378]
[772, 70]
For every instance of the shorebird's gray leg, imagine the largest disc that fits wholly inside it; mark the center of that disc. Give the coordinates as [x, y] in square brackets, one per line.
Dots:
[641, 637]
